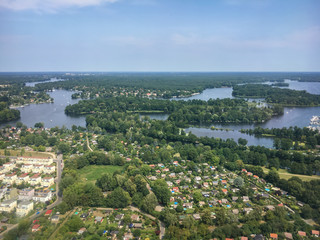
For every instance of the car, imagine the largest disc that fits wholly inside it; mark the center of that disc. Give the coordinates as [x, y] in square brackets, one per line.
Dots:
[37, 213]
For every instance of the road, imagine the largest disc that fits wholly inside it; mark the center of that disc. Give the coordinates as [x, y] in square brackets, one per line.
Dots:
[58, 200]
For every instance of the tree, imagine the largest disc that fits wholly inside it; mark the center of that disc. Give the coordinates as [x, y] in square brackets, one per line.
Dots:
[39, 125]
[149, 203]
[238, 182]
[75, 223]
[64, 147]
[242, 141]
[118, 199]
[161, 190]
[273, 176]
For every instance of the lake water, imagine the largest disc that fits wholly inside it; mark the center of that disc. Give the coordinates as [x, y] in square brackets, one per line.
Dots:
[52, 114]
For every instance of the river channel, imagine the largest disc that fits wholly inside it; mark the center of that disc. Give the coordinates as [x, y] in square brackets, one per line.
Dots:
[52, 114]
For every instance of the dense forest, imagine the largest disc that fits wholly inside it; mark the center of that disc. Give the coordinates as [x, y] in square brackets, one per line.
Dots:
[276, 95]
[7, 114]
[182, 112]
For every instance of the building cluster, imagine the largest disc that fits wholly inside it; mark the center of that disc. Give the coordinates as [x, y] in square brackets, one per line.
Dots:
[36, 174]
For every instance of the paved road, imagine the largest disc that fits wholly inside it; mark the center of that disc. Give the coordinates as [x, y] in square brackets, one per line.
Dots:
[59, 162]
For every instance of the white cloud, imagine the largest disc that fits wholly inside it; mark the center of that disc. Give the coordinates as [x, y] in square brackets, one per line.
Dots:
[49, 5]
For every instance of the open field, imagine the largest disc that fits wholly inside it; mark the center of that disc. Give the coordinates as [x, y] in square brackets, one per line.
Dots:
[285, 175]
[17, 153]
[93, 172]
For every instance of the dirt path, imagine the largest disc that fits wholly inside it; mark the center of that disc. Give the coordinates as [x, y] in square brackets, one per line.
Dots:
[52, 237]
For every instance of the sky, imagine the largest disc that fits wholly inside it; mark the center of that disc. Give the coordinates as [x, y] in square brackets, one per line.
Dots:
[159, 35]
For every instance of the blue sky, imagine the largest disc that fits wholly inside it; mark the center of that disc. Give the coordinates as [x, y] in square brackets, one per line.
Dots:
[159, 35]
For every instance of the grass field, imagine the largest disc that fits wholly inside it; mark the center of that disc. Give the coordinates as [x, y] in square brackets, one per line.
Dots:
[17, 153]
[93, 172]
[285, 175]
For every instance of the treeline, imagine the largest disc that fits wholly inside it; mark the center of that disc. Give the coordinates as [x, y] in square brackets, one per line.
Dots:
[7, 114]
[182, 112]
[310, 137]
[276, 95]
[95, 158]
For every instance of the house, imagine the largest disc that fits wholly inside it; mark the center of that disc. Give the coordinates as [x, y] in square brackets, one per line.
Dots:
[128, 236]
[24, 208]
[245, 199]
[35, 160]
[259, 237]
[11, 193]
[119, 217]
[3, 190]
[273, 235]
[234, 199]
[23, 178]
[42, 195]
[48, 213]
[47, 181]
[137, 225]
[243, 238]
[135, 217]
[55, 218]
[49, 169]
[37, 168]
[8, 205]
[26, 168]
[302, 234]
[35, 179]
[315, 233]
[288, 235]
[81, 231]
[3, 169]
[188, 205]
[235, 211]
[9, 166]
[225, 191]
[270, 207]
[2, 175]
[10, 178]
[36, 228]
[26, 194]
[196, 216]
[247, 210]
[98, 219]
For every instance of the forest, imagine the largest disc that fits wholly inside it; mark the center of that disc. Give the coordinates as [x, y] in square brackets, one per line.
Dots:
[276, 95]
[7, 114]
[181, 112]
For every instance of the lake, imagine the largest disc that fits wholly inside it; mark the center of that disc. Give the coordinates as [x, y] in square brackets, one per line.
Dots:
[52, 114]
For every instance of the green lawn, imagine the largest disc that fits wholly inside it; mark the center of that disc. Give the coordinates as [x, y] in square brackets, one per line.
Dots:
[283, 174]
[93, 172]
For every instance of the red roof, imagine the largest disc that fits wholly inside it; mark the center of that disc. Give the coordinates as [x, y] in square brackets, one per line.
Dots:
[315, 232]
[36, 226]
[274, 235]
[301, 233]
[244, 238]
[48, 212]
